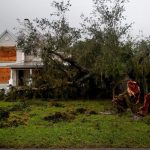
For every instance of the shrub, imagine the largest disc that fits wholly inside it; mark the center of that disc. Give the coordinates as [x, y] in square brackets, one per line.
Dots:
[11, 95]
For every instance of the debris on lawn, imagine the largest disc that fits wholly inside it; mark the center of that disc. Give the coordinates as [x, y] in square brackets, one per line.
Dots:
[60, 116]
[55, 104]
[14, 120]
[85, 111]
[4, 114]
[81, 110]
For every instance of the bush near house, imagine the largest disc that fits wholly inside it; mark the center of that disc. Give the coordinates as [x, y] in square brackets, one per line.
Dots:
[24, 93]
[43, 92]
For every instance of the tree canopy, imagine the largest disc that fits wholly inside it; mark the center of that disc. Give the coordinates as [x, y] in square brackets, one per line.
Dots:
[90, 61]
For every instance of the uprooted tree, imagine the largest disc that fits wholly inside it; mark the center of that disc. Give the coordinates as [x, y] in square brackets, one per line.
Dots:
[83, 67]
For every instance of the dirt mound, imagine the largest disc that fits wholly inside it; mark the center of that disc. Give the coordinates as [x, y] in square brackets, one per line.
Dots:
[60, 116]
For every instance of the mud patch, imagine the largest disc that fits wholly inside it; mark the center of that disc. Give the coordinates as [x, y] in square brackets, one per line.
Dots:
[81, 110]
[85, 111]
[60, 116]
[55, 104]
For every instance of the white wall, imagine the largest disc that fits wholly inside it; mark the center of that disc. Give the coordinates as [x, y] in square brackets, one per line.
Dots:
[30, 58]
[20, 56]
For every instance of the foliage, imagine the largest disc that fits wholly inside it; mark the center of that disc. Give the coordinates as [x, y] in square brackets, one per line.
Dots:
[27, 92]
[141, 63]
[107, 50]
[52, 41]
[86, 62]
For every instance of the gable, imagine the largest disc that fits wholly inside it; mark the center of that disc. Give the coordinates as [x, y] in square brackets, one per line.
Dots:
[7, 39]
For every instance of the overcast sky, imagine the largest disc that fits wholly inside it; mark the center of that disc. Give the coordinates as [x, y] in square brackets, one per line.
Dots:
[137, 11]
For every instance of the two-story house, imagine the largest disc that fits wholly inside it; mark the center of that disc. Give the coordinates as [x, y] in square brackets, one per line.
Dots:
[16, 68]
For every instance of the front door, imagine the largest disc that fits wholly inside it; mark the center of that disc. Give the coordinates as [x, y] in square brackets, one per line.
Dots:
[20, 77]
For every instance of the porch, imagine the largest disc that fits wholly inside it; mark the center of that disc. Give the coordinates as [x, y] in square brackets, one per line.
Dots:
[22, 74]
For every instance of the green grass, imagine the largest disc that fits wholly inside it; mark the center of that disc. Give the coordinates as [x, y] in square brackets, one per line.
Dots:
[84, 131]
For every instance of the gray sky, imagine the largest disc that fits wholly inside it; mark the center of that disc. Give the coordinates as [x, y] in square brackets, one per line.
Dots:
[137, 11]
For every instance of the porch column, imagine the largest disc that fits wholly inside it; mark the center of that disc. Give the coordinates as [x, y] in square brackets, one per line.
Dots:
[11, 77]
[30, 80]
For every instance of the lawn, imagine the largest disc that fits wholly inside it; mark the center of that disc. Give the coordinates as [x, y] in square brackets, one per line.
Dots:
[75, 124]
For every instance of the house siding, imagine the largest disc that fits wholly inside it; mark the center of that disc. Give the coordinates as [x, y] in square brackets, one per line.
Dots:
[15, 66]
[8, 52]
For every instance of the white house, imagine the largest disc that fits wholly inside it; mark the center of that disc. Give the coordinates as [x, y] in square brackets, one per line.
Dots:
[16, 68]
